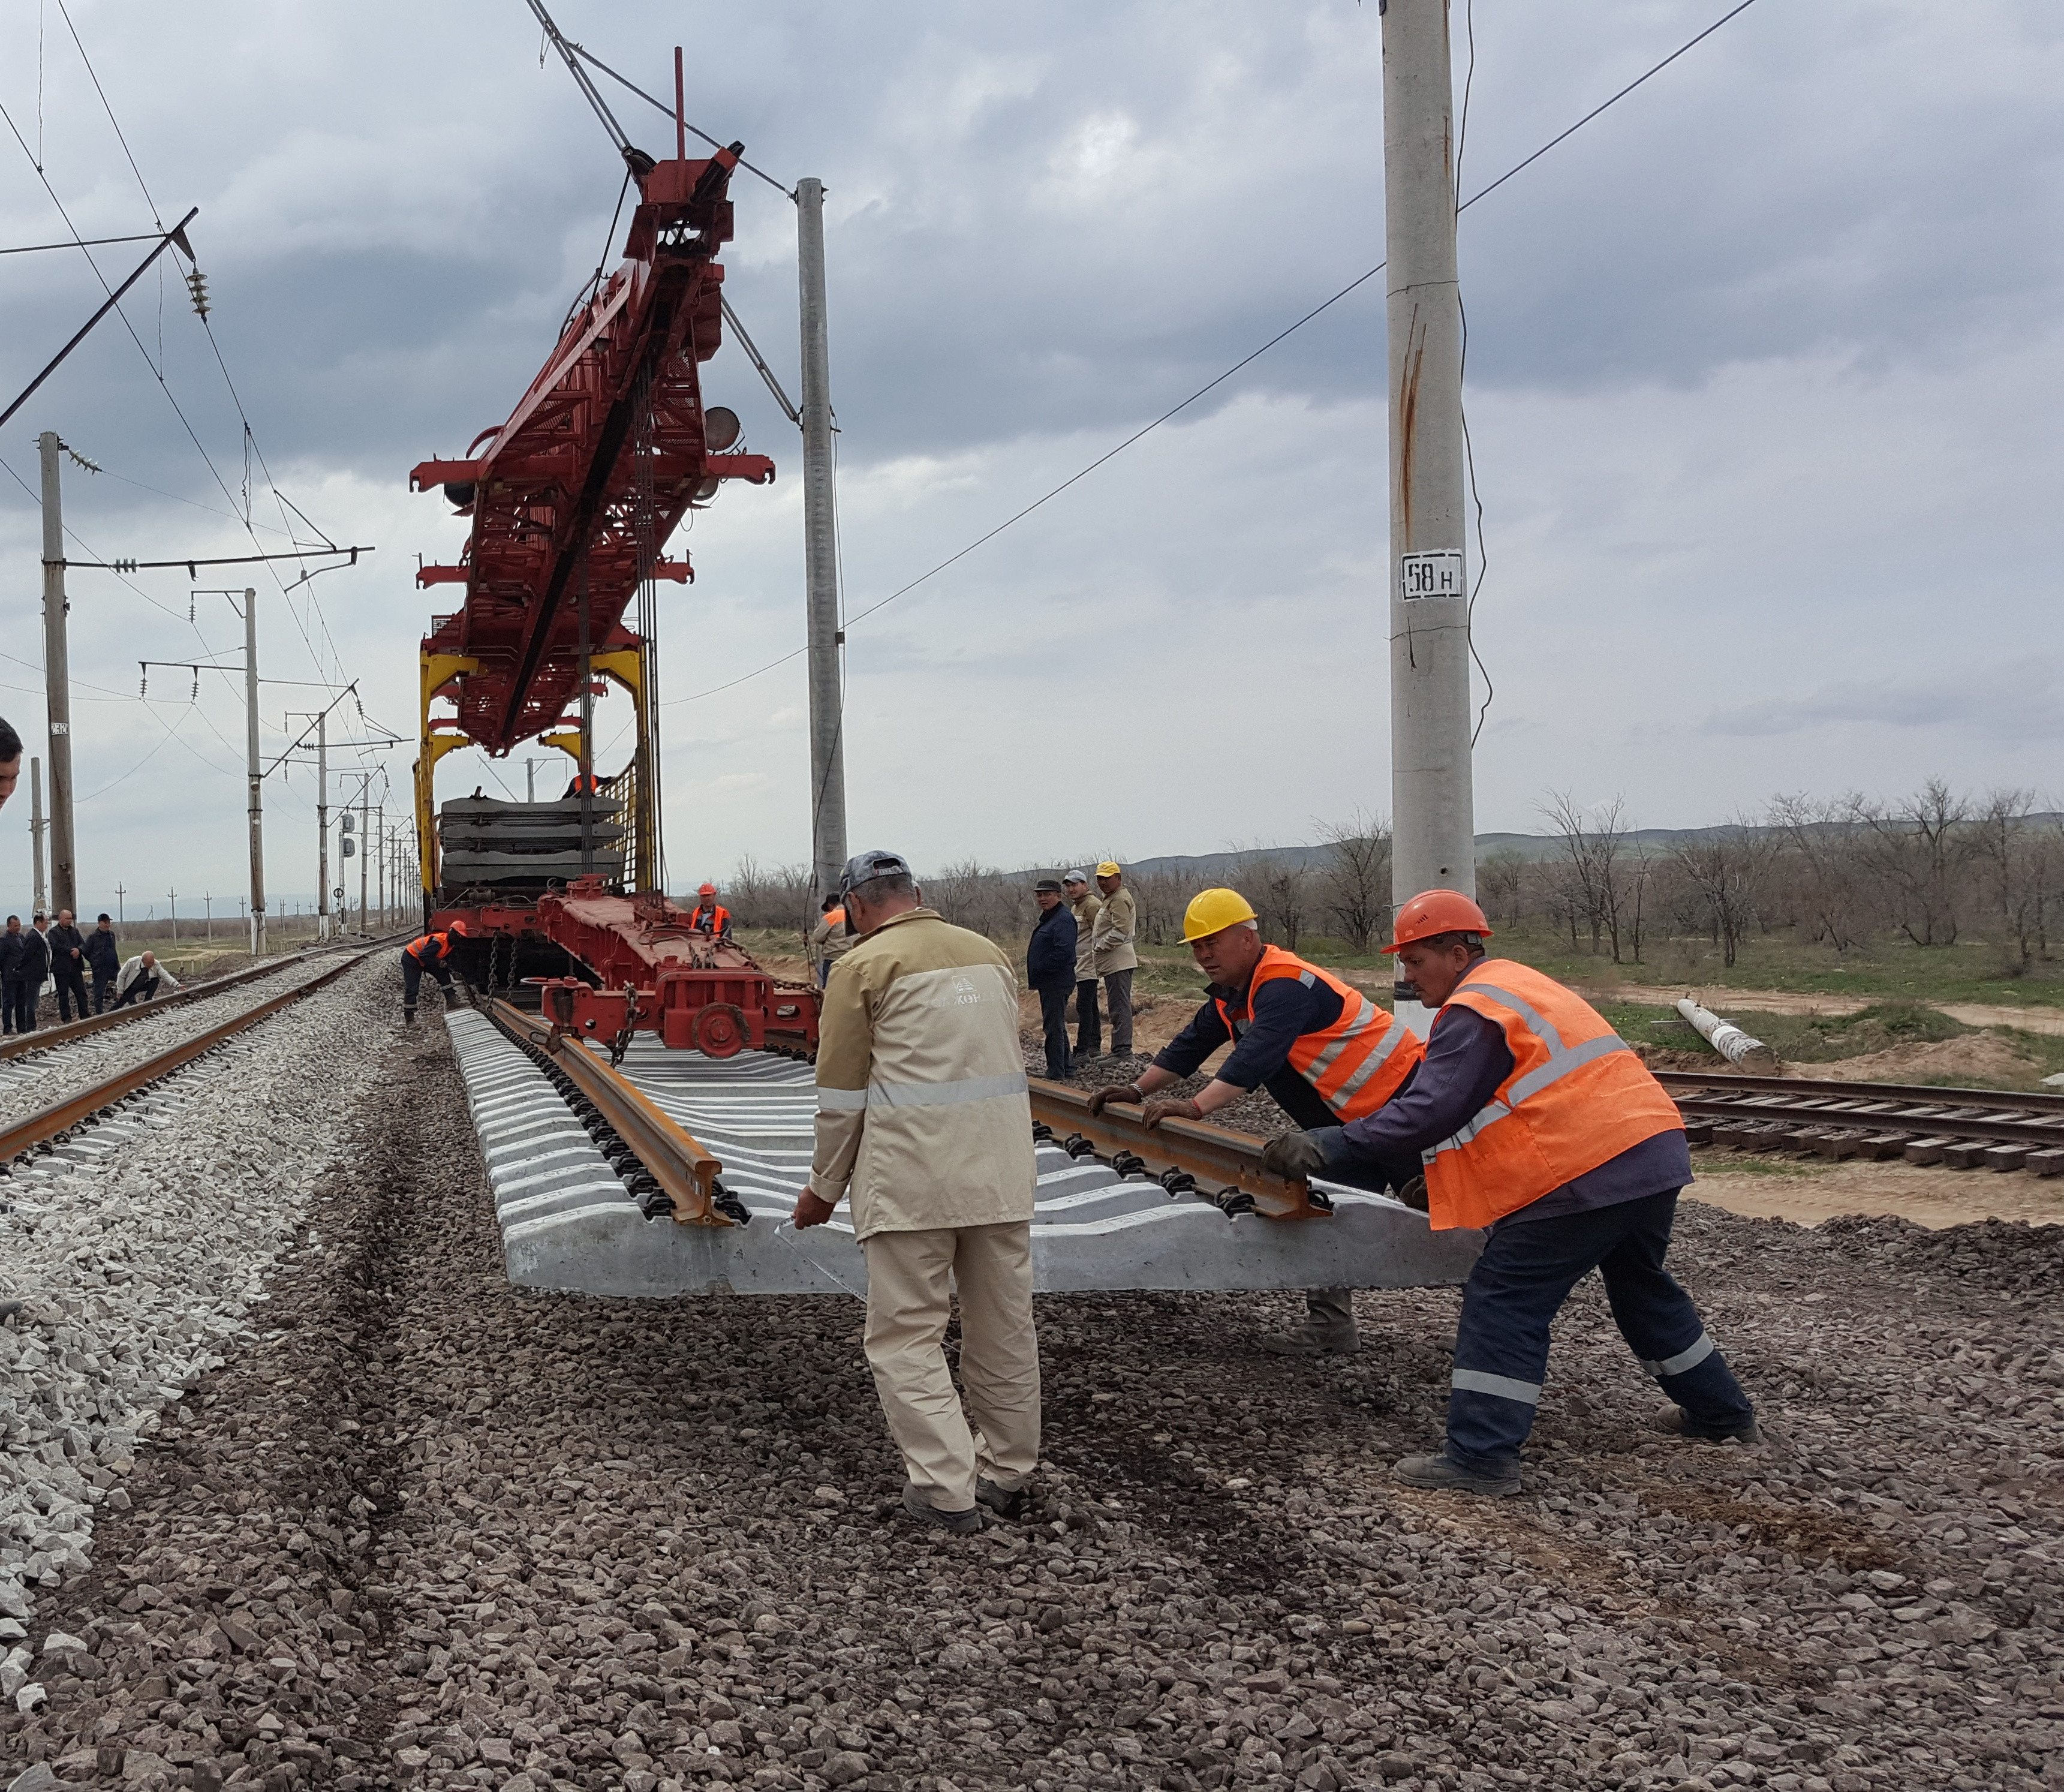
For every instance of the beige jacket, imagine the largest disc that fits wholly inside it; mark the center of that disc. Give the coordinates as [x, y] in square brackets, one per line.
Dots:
[1110, 939]
[829, 942]
[1084, 908]
[922, 1110]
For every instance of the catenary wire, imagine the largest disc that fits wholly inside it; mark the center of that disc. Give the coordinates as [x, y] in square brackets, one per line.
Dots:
[1326, 304]
[694, 131]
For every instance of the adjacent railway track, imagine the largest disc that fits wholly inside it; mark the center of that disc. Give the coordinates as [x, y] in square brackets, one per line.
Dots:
[1966, 1129]
[50, 1124]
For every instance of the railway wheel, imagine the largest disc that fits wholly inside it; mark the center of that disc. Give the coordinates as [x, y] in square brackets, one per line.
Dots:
[720, 1030]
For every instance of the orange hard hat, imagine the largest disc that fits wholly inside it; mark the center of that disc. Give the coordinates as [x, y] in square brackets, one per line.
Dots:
[707, 889]
[1436, 911]
[459, 926]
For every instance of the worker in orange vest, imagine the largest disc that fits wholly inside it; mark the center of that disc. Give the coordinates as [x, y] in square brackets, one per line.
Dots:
[711, 916]
[1322, 1049]
[1535, 1121]
[584, 785]
[432, 954]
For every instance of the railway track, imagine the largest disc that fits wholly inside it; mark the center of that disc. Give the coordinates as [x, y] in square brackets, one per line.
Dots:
[675, 1173]
[56, 1122]
[1966, 1129]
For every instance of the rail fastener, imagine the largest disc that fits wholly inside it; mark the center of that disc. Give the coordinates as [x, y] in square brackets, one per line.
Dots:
[683, 1166]
[1195, 1148]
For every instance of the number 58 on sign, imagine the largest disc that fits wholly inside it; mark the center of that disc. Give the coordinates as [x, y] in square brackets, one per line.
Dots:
[1438, 574]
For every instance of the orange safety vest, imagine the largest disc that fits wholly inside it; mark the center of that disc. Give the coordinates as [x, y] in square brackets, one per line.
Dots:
[1577, 1097]
[834, 917]
[719, 918]
[441, 942]
[590, 785]
[1356, 1064]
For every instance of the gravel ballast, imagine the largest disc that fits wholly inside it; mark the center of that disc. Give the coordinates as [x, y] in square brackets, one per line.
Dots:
[423, 1530]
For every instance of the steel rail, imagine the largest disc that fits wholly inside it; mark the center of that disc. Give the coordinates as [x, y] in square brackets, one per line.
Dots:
[1179, 1148]
[60, 1117]
[1951, 1119]
[684, 1167]
[1917, 1093]
[23, 1043]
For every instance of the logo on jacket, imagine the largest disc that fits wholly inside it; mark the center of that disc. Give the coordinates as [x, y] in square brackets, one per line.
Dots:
[964, 990]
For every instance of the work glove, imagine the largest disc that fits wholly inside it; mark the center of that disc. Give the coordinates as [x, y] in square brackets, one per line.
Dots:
[1175, 1108]
[1294, 1156]
[1413, 1194]
[1103, 1097]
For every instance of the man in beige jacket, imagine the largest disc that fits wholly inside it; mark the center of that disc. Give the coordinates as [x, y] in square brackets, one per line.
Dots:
[1089, 1025]
[923, 1117]
[1111, 954]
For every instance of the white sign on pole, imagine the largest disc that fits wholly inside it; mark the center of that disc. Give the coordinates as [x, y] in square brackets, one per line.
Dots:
[1438, 574]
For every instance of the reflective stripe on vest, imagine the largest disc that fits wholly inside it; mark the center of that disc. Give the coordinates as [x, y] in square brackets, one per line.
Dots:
[1356, 1064]
[441, 940]
[1576, 1098]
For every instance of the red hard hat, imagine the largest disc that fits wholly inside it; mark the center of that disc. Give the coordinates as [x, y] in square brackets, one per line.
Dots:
[1436, 911]
[707, 889]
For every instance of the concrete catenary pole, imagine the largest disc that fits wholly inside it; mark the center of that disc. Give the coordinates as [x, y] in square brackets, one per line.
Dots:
[37, 824]
[365, 845]
[820, 552]
[57, 680]
[256, 774]
[322, 825]
[1433, 803]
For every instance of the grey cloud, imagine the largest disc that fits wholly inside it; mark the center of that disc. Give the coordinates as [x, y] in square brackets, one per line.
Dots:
[2027, 706]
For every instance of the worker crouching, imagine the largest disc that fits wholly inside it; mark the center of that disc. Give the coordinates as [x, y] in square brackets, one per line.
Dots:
[1535, 1121]
[924, 1119]
[431, 955]
[1325, 1052]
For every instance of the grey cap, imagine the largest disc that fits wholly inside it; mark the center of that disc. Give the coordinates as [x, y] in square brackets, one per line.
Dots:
[863, 867]
[1046, 886]
[1076, 877]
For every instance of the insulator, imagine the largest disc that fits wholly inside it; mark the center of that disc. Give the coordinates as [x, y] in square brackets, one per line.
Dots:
[143, 690]
[197, 289]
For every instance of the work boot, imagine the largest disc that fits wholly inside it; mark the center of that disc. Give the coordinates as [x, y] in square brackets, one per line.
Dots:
[451, 1000]
[1009, 1505]
[1308, 1337]
[408, 1017]
[1443, 1474]
[1673, 1421]
[917, 1506]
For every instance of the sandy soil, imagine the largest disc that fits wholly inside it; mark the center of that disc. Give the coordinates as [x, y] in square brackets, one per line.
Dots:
[1928, 1195]
[2033, 1018]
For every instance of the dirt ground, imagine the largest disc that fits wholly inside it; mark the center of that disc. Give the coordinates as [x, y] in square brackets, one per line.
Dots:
[2033, 1019]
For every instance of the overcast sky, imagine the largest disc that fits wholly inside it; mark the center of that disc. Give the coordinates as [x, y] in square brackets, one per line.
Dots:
[1763, 380]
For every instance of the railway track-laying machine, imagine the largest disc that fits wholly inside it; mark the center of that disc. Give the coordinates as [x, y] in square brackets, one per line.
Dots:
[659, 1034]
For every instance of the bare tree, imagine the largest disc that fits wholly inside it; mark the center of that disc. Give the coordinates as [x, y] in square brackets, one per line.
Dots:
[1726, 867]
[1281, 890]
[1502, 883]
[1355, 887]
[1823, 871]
[2020, 870]
[1593, 847]
[759, 896]
[1917, 852]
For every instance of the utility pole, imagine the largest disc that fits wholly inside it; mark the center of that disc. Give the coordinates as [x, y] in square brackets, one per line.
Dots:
[207, 908]
[1432, 799]
[173, 897]
[121, 915]
[529, 781]
[37, 824]
[57, 678]
[380, 833]
[364, 810]
[820, 552]
[257, 773]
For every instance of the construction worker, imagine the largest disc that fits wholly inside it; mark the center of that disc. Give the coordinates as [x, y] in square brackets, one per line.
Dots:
[924, 1119]
[140, 979]
[432, 954]
[1324, 1051]
[1089, 1025]
[1534, 1121]
[830, 939]
[583, 784]
[711, 916]
[1111, 955]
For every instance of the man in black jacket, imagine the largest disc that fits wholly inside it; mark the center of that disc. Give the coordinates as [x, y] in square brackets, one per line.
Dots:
[68, 965]
[1050, 968]
[102, 954]
[13, 954]
[35, 966]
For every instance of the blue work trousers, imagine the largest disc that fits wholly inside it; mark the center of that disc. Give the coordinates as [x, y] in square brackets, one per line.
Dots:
[1519, 1284]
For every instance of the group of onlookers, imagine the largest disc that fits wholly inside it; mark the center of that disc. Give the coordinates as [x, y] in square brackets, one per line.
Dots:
[1082, 944]
[63, 956]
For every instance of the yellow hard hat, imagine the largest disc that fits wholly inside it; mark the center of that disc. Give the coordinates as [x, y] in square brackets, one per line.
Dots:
[1212, 911]
[1108, 869]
